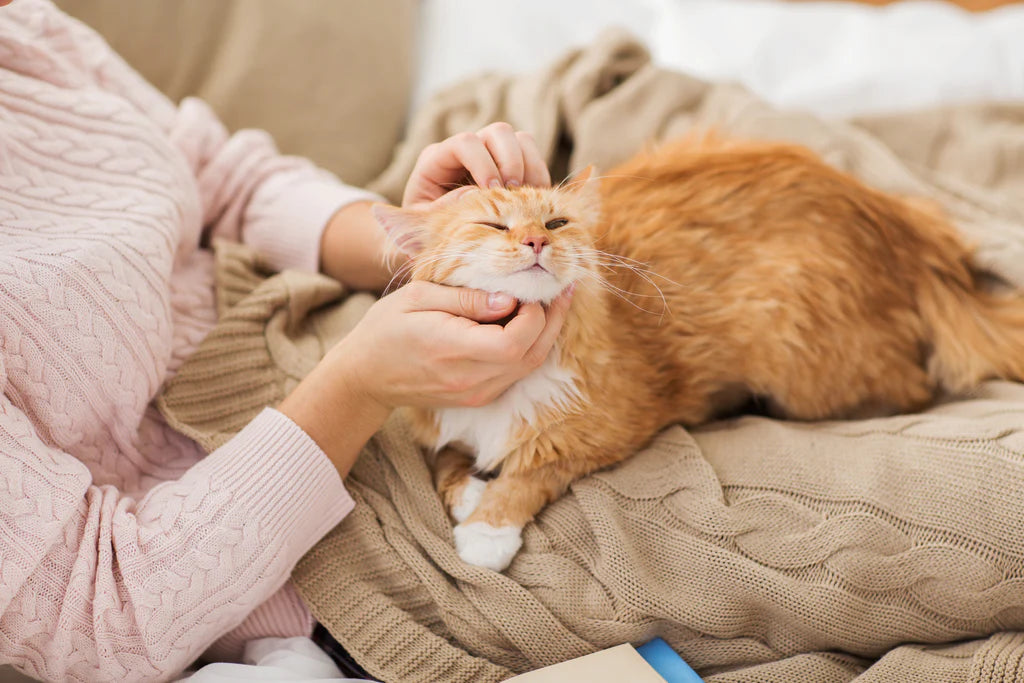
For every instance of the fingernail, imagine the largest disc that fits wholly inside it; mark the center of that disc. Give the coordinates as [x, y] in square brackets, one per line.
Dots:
[495, 184]
[513, 183]
[498, 301]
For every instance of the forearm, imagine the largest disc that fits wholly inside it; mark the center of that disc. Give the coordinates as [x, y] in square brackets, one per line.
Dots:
[336, 415]
[109, 566]
[353, 249]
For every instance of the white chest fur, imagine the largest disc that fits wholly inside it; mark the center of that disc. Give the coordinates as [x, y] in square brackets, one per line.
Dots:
[487, 430]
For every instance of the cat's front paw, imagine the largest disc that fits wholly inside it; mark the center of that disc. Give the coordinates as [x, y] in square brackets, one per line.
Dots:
[486, 546]
[472, 491]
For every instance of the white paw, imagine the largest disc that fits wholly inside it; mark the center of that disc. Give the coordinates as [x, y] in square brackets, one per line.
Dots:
[470, 498]
[486, 546]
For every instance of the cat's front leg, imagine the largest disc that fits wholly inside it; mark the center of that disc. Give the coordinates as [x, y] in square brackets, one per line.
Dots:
[460, 491]
[492, 535]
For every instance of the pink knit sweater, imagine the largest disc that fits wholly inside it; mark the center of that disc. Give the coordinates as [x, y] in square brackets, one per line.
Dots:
[124, 553]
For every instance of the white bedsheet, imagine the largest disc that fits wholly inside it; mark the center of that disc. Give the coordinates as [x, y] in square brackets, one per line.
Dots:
[836, 59]
[295, 660]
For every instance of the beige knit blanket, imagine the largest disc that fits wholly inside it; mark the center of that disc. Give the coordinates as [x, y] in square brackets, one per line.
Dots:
[882, 550]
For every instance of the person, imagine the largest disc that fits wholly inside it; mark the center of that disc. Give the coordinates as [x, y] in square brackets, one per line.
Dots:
[125, 553]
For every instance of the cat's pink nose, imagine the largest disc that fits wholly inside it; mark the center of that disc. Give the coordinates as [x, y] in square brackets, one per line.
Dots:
[536, 242]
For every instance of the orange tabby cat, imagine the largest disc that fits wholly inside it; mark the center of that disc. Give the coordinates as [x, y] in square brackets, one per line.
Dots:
[707, 273]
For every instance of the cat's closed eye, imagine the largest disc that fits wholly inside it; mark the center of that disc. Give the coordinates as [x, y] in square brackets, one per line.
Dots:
[556, 223]
[496, 226]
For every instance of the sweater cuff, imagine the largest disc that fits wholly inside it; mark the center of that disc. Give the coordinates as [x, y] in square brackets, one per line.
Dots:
[296, 494]
[283, 615]
[287, 216]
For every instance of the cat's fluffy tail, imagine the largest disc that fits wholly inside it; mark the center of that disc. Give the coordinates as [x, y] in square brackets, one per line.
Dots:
[975, 335]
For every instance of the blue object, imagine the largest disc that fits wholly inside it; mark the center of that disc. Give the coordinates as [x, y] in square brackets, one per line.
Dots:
[667, 663]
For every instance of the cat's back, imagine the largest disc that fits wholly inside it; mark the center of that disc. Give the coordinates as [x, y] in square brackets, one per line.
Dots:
[697, 190]
[742, 217]
[733, 258]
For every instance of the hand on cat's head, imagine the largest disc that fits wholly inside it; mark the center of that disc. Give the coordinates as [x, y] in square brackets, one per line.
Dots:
[525, 241]
[495, 156]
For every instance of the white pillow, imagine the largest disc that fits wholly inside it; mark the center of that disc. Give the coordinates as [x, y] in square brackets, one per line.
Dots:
[836, 59]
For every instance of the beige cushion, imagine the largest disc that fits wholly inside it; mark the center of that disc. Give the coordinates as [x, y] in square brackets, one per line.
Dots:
[330, 79]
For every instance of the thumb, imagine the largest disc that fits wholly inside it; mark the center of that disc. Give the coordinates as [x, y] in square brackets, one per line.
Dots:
[474, 304]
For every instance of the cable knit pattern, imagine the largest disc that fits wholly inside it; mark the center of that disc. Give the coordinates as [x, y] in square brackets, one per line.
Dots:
[124, 553]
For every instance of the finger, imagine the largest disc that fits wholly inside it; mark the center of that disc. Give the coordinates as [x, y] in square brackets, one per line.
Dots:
[419, 188]
[444, 164]
[536, 171]
[461, 153]
[500, 140]
[489, 391]
[511, 342]
[472, 154]
[556, 314]
[509, 373]
[449, 197]
[459, 301]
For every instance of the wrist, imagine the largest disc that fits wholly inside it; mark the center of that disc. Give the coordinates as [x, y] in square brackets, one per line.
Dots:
[348, 371]
[335, 410]
[353, 249]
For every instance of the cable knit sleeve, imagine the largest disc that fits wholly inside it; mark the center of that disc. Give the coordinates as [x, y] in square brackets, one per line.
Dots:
[277, 204]
[95, 585]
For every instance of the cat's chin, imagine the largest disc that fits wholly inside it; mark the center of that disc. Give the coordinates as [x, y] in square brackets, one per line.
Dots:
[542, 289]
[526, 286]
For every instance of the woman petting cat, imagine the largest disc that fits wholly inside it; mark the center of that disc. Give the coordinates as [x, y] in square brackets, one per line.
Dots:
[707, 274]
[125, 551]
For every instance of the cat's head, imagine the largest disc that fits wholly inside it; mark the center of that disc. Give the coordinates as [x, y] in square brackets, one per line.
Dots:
[528, 242]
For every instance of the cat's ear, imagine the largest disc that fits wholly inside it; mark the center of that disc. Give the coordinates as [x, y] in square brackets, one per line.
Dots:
[583, 176]
[407, 228]
[583, 184]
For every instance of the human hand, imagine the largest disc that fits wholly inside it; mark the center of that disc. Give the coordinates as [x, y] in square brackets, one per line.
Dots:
[495, 156]
[352, 245]
[420, 346]
[423, 346]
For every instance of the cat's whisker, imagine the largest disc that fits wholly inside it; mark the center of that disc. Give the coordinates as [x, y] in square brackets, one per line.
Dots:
[408, 266]
[642, 274]
[624, 260]
[642, 296]
[615, 291]
[659, 295]
[412, 263]
[609, 261]
[628, 293]
[621, 293]
[617, 175]
[403, 270]
[569, 180]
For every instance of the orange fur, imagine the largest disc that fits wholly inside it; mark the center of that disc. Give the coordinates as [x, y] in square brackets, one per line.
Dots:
[760, 272]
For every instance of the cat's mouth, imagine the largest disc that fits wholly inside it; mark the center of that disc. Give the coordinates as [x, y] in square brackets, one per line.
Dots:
[536, 268]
